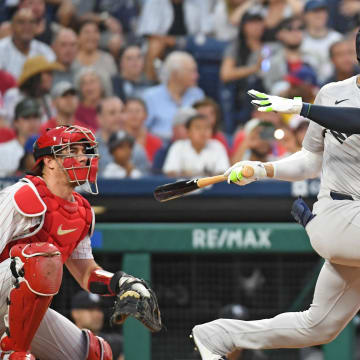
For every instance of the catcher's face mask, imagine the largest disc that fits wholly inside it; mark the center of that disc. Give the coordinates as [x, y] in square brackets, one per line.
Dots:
[76, 151]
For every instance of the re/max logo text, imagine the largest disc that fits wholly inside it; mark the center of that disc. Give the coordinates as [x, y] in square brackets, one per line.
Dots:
[231, 239]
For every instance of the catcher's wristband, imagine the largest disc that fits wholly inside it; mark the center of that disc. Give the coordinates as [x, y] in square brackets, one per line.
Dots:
[104, 283]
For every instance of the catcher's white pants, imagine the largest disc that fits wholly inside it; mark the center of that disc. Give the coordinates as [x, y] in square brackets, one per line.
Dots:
[336, 299]
[57, 337]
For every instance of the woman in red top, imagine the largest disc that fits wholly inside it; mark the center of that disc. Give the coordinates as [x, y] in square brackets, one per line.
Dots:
[91, 90]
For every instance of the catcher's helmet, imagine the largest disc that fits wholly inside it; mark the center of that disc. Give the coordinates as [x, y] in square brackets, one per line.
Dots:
[57, 142]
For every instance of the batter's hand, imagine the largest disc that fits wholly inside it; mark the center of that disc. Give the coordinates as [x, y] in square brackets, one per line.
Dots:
[234, 173]
[267, 103]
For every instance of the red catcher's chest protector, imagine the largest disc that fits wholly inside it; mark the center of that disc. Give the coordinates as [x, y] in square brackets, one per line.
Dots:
[64, 223]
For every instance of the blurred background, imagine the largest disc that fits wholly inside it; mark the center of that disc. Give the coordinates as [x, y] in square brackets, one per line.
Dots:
[162, 83]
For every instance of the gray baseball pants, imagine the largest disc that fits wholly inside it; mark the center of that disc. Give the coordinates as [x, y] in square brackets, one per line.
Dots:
[335, 234]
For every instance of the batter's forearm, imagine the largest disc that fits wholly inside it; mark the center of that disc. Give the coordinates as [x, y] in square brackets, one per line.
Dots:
[298, 166]
[343, 119]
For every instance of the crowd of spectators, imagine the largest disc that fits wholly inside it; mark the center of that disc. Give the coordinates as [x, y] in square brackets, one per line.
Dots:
[163, 83]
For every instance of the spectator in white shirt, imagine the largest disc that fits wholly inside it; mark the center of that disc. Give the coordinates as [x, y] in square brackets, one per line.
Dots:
[227, 18]
[15, 49]
[166, 23]
[199, 155]
[318, 38]
[121, 145]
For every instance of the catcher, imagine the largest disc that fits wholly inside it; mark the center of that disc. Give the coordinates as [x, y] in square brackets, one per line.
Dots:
[44, 224]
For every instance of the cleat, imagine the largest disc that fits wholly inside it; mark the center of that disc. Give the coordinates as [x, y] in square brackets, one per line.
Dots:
[205, 353]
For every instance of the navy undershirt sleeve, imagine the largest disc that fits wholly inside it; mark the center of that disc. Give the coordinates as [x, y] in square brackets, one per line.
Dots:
[343, 119]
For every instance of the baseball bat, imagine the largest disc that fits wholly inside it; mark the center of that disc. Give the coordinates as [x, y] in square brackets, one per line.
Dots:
[177, 189]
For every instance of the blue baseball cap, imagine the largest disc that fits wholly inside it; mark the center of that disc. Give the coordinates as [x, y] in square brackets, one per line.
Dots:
[312, 5]
[304, 75]
[29, 144]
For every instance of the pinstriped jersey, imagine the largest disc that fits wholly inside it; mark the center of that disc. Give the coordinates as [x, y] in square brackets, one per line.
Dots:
[14, 225]
[341, 152]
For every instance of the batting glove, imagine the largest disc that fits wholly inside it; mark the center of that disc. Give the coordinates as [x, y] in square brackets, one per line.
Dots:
[234, 173]
[267, 103]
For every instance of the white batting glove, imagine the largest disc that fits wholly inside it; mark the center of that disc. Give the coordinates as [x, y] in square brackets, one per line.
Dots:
[267, 103]
[234, 173]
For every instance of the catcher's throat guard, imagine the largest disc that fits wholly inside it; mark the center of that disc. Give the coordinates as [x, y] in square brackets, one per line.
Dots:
[59, 143]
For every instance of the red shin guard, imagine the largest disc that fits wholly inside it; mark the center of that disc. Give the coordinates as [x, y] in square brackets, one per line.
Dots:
[98, 348]
[37, 268]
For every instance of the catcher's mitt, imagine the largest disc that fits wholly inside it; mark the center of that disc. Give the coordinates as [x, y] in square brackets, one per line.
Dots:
[135, 298]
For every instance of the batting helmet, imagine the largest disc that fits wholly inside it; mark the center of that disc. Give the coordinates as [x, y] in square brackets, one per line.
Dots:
[57, 142]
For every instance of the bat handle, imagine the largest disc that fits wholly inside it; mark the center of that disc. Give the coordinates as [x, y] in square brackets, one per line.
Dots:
[246, 172]
[206, 181]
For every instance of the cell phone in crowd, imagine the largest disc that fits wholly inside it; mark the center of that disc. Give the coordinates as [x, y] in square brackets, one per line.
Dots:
[267, 131]
[265, 53]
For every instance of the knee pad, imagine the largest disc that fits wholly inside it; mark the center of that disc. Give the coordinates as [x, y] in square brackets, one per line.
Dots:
[39, 265]
[37, 269]
[97, 347]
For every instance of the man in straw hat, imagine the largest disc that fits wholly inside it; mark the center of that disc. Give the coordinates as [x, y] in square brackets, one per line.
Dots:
[35, 81]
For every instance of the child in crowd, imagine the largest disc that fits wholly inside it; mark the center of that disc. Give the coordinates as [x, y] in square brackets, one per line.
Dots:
[199, 155]
[120, 146]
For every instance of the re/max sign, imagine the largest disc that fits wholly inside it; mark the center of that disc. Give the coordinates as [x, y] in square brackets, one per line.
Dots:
[213, 238]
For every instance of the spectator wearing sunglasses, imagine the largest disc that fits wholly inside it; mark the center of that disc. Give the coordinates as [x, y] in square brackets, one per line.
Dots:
[286, 59]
